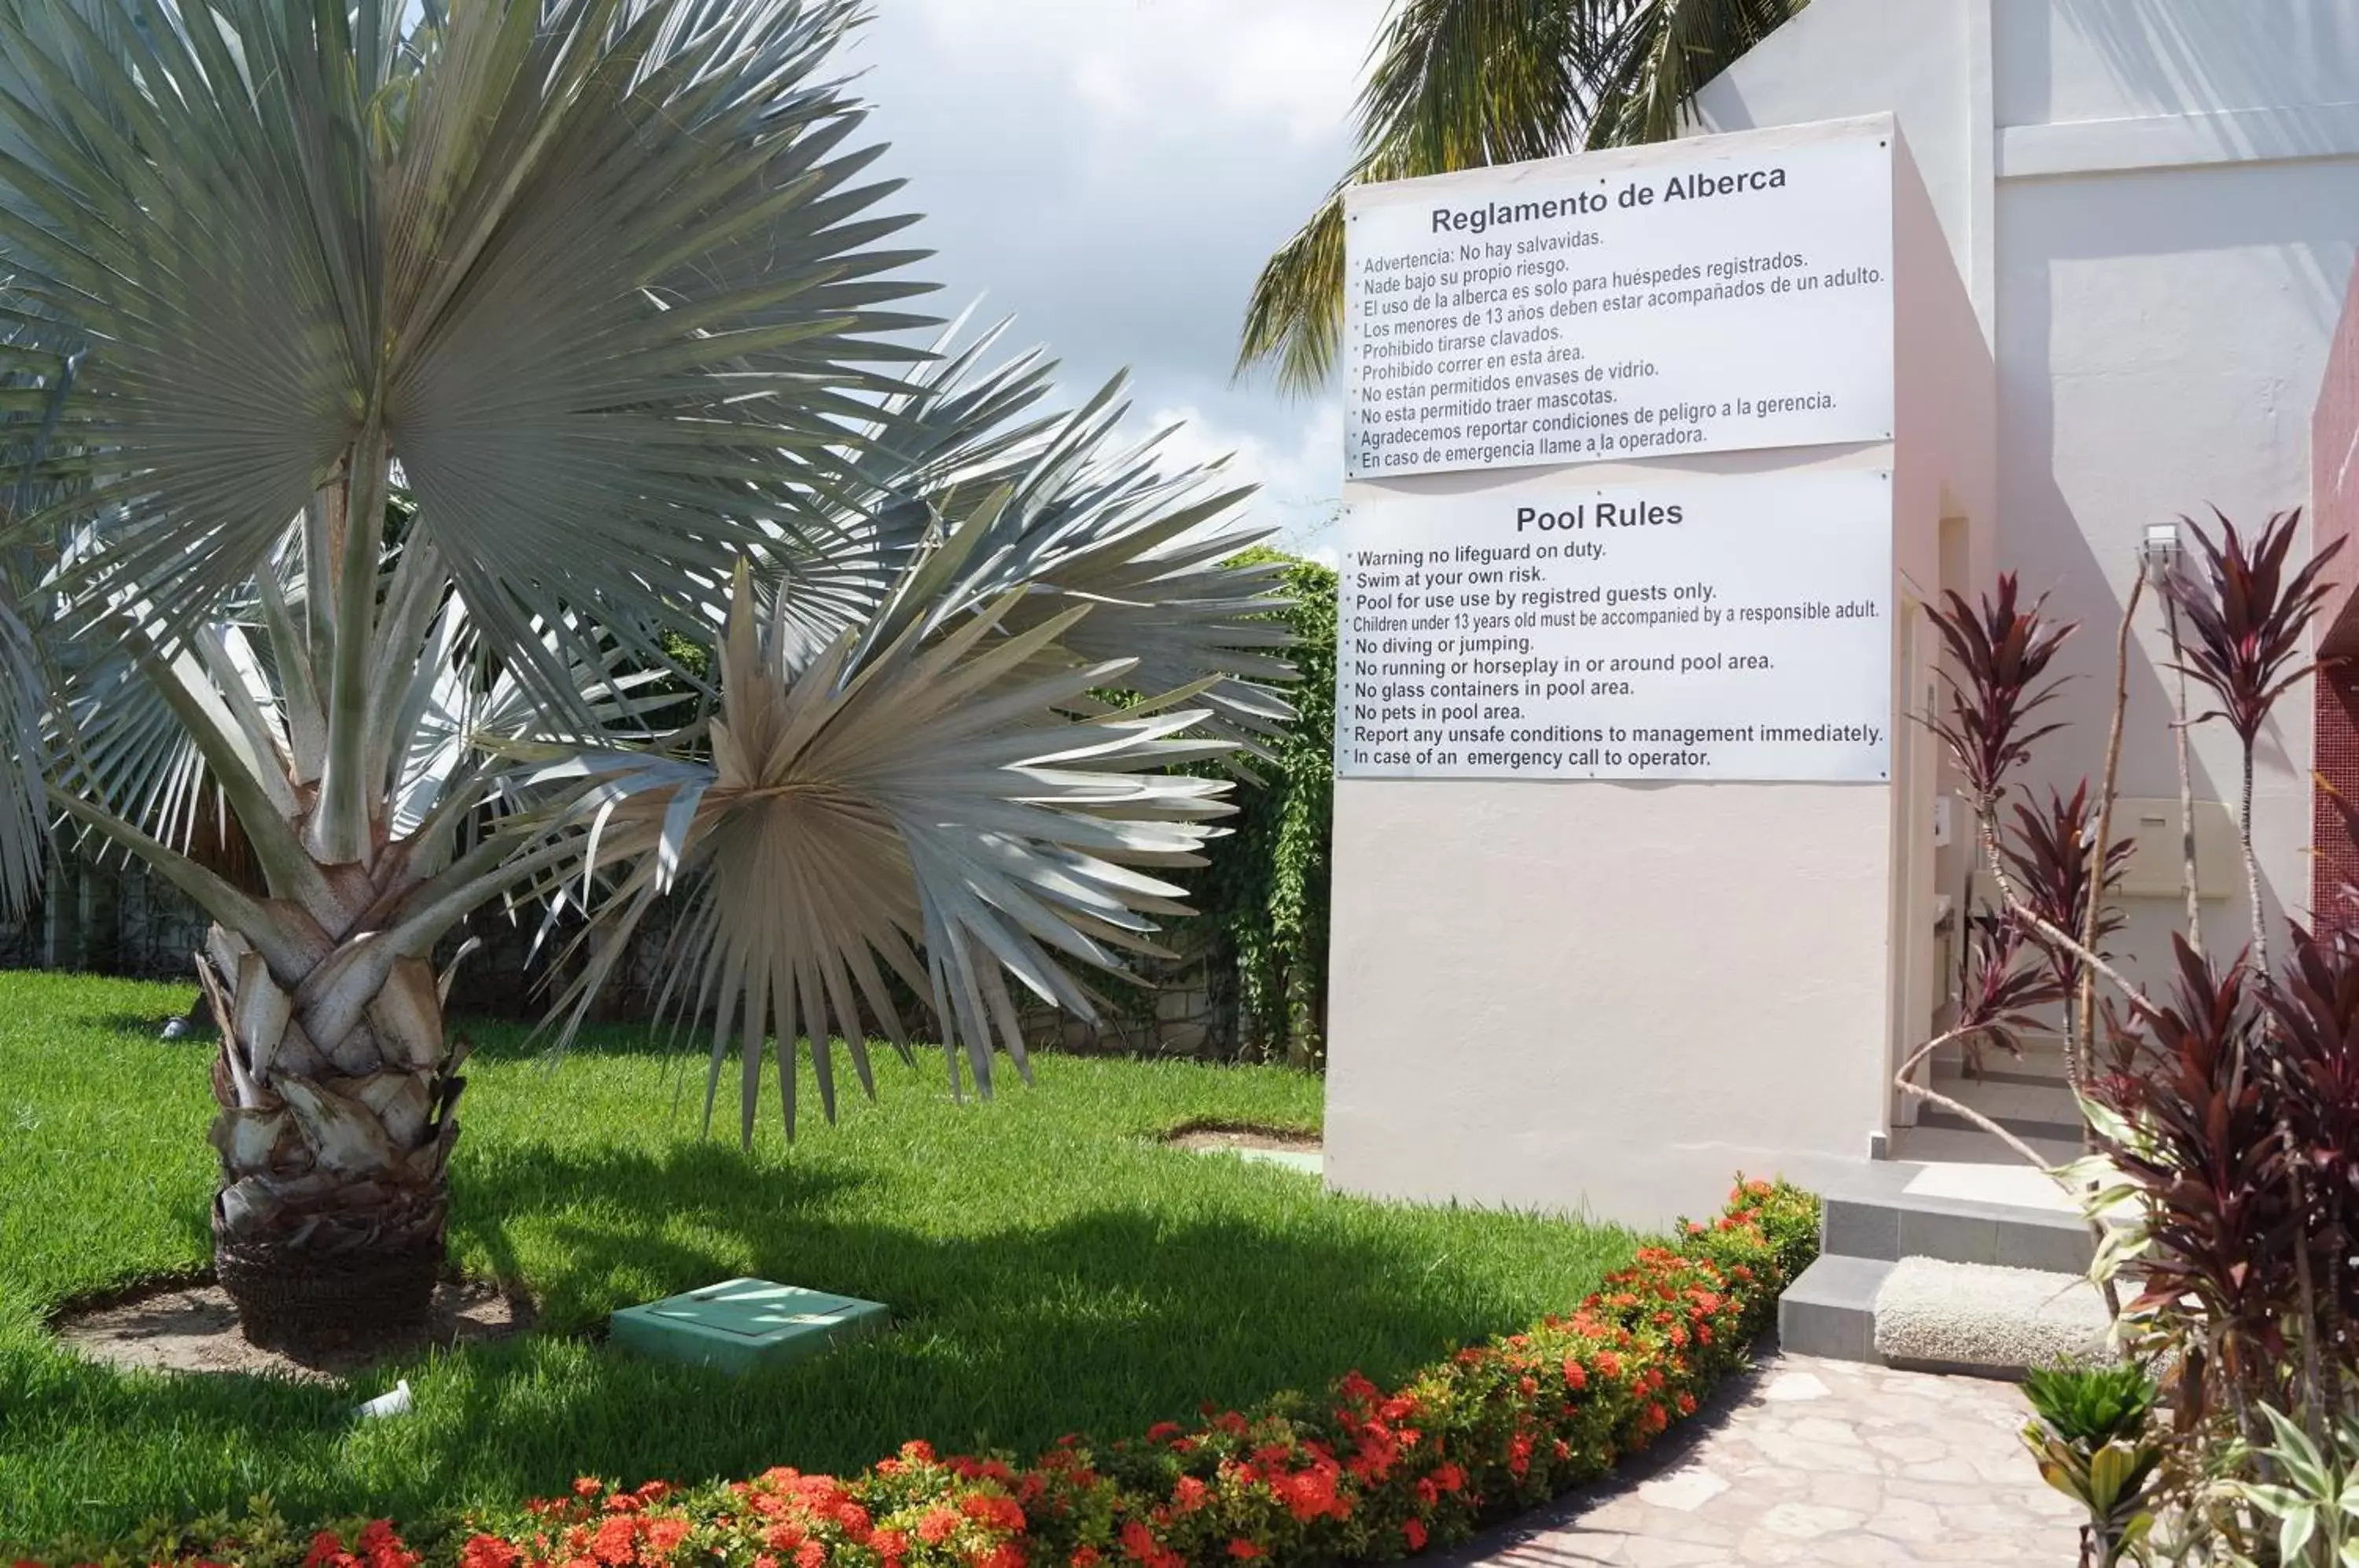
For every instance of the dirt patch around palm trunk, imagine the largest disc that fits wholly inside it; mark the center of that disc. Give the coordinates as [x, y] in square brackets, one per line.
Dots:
[191, 1326]
[1223, 1136]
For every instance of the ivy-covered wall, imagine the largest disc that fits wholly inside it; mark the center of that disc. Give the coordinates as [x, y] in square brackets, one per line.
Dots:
[1263, 901]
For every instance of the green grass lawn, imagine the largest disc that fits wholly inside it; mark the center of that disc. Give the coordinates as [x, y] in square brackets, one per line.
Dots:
[1049, 1268]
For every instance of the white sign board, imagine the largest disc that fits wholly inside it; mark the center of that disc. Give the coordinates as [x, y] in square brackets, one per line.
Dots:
[1549, 313]
[1706, 626]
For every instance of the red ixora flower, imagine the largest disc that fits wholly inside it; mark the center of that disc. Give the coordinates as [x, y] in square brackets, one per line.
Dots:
[488, 1551]
[991, 1509]
[1675, 1302]
[616, 1541]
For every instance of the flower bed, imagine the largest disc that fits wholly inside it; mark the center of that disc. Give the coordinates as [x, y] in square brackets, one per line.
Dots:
[1367, 1474]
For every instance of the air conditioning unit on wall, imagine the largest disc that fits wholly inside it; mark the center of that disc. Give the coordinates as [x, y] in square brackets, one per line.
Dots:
[2156, 868]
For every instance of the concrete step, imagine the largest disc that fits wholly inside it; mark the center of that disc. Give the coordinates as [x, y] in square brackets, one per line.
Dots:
[2034, 1132]
[1934, 1144]
[1830, 1312]
[2037, 1072]
[1954, 1266]
[1928, 1315]
[1931, 1315]
[2005, 1099]
[2007, 1215]
[2041, 1062]
[2027, 1106]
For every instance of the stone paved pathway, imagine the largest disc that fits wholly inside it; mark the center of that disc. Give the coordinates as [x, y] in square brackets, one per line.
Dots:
[1815, 1461]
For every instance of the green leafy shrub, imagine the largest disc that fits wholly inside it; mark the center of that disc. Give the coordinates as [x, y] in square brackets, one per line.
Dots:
[2093, 1443]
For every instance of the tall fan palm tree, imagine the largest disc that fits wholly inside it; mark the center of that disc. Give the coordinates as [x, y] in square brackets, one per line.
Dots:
[388, 393]
[1462, 84]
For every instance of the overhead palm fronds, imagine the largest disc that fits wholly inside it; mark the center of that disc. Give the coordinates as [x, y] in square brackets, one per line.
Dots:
[1456, 85]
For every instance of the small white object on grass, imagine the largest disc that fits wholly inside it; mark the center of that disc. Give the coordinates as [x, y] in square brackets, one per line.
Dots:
[396, 1403]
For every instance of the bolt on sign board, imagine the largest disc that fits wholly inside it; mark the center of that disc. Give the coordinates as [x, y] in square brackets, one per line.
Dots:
[1705, 627]
[1588, 308]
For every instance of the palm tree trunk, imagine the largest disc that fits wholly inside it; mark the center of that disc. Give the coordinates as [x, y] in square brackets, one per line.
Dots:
[328, 1222]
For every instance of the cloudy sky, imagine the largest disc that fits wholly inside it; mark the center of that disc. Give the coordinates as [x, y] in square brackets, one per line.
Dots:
[1112, 173]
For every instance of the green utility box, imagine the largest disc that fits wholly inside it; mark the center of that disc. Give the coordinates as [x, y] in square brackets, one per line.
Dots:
[740, 1324]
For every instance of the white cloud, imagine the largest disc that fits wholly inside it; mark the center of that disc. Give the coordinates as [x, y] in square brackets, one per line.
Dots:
[1173, 65]
[1298, 475]
[1113, 173]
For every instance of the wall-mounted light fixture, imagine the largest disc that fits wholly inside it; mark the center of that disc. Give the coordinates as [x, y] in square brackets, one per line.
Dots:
[2160, 551]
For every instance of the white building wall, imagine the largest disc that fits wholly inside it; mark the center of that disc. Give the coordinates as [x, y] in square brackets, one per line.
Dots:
[1610, 997]
[1607, 996]
[2159, 207]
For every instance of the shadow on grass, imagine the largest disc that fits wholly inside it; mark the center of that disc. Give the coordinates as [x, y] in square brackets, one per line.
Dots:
[637, 1231]
[689, 1050]
[524, 1040]
[1007, 1336]
[1104, 1324]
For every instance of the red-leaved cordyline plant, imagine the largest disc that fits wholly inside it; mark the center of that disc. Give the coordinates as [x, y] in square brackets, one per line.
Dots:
[2002, 984]
[2002, 650]
[2009, 983]
[2247, 620]
[2188, 1125]
[2227, 1113]
[2055, 865]
[2314, 1034]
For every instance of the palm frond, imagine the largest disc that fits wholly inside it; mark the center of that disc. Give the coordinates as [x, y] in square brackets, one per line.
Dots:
[1295, 315]
[588, 267]
[1153, 556]
[406, 389]
[1455, 84]
[916, 807]
[1462, 84]
[1650, 61]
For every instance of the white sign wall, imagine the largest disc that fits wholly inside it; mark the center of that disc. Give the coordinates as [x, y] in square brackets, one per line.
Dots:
[1703, 627]
[1535, 314]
